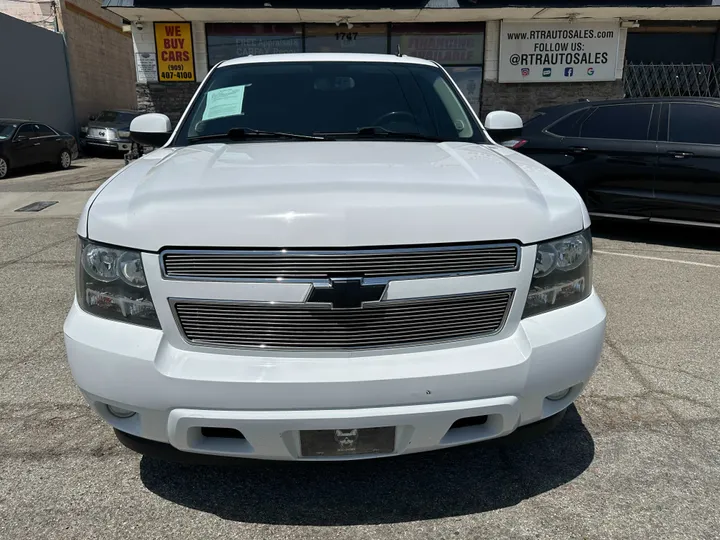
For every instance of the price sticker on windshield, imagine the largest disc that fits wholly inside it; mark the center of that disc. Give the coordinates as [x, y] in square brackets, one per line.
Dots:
[225, 102]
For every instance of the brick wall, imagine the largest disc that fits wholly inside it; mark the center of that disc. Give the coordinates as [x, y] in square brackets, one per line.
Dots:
[39, 13]
[100, 55]
[164, 97]
[523, 99]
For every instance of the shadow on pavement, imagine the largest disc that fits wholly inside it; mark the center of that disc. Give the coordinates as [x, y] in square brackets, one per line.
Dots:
[453, 482]
[658, 233]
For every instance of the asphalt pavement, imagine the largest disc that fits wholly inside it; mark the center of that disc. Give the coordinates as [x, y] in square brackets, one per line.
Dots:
[636, 458]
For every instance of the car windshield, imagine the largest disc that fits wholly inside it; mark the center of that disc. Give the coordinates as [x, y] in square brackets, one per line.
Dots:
[115, 117]
[329, 100]
[6, 130]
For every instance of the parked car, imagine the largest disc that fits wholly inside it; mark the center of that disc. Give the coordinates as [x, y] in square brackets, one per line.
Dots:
[641, 159]
[329, 259]
[108, 130]
[24, 143]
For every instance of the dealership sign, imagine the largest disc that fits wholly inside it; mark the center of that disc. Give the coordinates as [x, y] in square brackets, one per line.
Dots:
[558, 51]
[174, 45]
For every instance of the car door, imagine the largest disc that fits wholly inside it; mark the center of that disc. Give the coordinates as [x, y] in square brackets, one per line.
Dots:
[51, 143]
[23, 146]
[687, 181]
[614, 157]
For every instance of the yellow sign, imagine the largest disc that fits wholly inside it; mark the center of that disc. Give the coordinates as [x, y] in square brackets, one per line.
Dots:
[174, 52]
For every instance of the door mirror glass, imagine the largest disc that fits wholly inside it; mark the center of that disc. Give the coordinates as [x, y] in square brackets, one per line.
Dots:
[503, 125]
[151, 129]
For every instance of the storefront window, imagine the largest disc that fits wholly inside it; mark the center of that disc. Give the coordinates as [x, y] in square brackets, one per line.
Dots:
[361, 38]
[459, 48]
[227, 41]
[445, 44]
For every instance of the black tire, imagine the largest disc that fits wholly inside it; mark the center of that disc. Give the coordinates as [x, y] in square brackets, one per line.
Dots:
[4, 167]
[65, 159]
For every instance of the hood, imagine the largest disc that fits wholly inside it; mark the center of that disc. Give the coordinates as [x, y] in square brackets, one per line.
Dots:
[108, 125]
[331, 194]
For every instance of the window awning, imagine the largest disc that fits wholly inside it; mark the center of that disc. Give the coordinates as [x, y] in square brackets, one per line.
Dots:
[279, 11]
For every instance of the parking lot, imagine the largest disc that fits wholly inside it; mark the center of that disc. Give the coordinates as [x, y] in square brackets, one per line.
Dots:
[637, 457]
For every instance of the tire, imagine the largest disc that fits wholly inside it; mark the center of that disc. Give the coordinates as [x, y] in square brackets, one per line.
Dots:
[4, 168]
[65, 159]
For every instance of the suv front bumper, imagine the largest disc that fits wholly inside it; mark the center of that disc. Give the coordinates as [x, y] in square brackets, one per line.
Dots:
[421, 391]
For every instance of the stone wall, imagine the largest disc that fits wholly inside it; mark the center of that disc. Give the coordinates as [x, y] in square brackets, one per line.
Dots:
[166, 98]
[100, 54]
[523, 99]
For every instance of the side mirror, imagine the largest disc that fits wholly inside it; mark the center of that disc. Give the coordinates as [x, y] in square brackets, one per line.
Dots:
[151, 129]
[21, 138]
[503, 125]
[92, 117]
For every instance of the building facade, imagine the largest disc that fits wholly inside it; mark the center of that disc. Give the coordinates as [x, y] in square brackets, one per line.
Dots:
[99, 53]
[516, 56]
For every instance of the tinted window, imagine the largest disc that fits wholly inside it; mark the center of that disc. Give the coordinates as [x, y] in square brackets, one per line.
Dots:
[686, 119]
[330, 97]
[115, 117]
[26, 130]
[570, 125]
[630, 122]
[6, 130]
[43, 131]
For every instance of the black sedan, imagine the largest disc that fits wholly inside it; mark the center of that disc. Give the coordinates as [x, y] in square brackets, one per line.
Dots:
[640, 159]
[108, 130]
[24, 142]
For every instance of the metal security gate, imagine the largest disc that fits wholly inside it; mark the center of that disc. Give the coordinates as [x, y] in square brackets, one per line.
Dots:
[662, 80]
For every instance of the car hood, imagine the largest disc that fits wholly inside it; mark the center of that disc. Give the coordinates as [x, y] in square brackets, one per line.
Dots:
[109, 125]
[331, 194]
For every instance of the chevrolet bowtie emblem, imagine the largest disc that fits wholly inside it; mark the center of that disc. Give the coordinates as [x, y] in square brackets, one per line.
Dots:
[346, 293]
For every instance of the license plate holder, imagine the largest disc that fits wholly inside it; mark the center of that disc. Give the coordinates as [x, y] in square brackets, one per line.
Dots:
[347, 442]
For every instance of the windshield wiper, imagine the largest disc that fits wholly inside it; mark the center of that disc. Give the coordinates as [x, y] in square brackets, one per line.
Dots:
[380, 132]
[243, 133]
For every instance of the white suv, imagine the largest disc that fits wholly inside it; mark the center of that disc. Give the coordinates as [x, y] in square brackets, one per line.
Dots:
[329, 258]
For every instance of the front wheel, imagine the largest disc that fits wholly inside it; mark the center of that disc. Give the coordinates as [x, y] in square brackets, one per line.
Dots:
[65, 159]
[4, 168]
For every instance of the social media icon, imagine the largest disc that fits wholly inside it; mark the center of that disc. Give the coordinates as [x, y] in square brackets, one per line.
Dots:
[591, 71]
[547, 72]
[569, 72]
[525, 72]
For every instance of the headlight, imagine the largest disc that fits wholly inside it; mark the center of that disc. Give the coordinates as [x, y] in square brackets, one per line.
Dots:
[111, 284]
[123, 134]
[562, 274]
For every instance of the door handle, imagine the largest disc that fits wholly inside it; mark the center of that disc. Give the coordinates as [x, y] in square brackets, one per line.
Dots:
[36, 144]
[579, 149]
[680, 155]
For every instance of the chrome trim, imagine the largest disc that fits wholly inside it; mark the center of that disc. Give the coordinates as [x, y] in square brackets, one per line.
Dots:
[327, 309]
[339, 253]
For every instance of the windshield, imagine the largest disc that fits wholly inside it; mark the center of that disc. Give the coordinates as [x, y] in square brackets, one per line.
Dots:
[6, 130]
[115, 117]
[326, 98]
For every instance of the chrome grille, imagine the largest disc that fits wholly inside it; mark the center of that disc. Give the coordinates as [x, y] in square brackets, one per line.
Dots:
[311, 264]
[381, 324]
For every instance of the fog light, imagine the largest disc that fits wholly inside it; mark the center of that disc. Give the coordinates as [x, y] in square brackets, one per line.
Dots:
[120, 413]
[557, 396]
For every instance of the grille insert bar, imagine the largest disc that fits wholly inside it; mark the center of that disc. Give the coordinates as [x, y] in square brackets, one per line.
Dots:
[307, 264]
[303, 326]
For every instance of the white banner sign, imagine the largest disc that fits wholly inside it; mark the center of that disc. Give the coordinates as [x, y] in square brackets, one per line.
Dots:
[558, 51]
